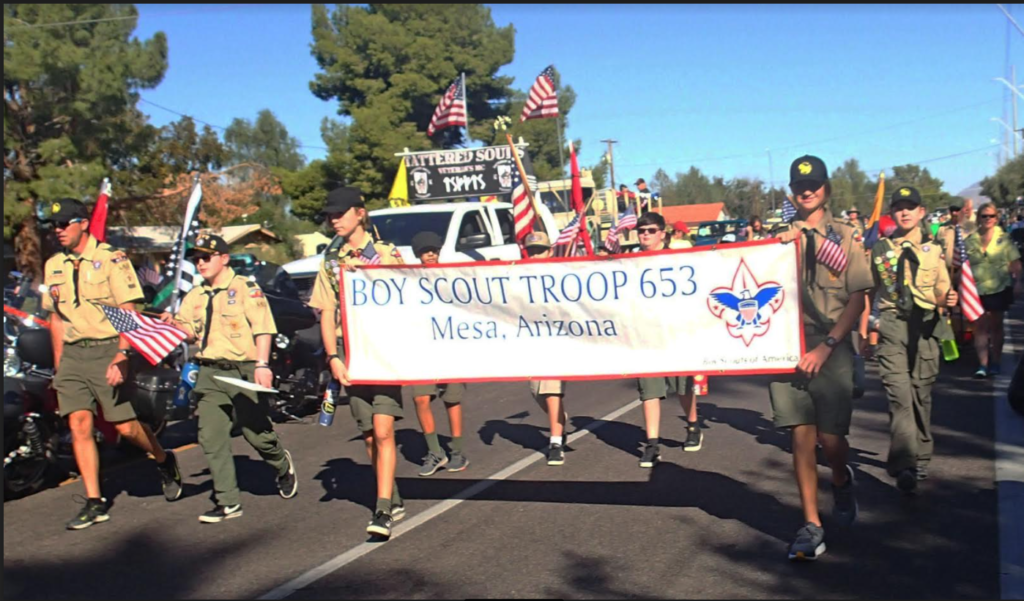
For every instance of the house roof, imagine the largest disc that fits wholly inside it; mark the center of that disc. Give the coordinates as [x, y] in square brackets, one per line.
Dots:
[693, 213]
[163, 237]
[234, 233]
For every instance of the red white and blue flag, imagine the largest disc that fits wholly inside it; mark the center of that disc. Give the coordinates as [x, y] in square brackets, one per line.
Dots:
[522, 208]
[831, 254]
[571, 231]
[970, 301]
[151, 337]
[543, 98]
[627, 221]
[451, 111]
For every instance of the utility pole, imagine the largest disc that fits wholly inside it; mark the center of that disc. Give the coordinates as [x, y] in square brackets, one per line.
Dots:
[611, 160]
[1013, 97]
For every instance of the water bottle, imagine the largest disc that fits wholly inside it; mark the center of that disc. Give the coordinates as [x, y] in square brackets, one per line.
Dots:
[330, 401]
[189, 375]
[950, 352]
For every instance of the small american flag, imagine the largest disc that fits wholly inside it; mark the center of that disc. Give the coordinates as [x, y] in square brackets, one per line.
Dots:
[368, 256]
[543, 100]
[627, 221]
[970, 302]
[788, 211]
[451, 111]
[831, 253]
[522, 208]
[571, 231]
[153, 338]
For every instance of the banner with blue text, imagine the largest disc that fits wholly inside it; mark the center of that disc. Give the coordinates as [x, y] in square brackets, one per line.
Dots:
[731, 309]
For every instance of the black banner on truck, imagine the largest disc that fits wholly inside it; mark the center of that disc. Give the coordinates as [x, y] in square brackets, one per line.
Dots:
[463, 172]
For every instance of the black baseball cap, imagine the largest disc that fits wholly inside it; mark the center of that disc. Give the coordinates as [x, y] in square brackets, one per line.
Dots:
[210, 244]
[639, 181]
[67, 209]
[808, 169]
[955, 205]
[906, 194]
[425, 241]
[340, 200]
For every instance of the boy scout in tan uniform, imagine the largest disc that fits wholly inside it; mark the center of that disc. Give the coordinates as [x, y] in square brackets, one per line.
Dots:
[817, 401]
[911, 284]
[90, 357]
[374, 407]
[946, 236]
[228, 317]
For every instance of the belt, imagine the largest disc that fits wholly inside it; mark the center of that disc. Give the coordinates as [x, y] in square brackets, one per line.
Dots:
[223, 363]
[88, 342]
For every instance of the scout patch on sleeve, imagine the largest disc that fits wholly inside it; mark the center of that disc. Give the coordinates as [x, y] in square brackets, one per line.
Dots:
[255, 292]
[118, 257]
[395, 253]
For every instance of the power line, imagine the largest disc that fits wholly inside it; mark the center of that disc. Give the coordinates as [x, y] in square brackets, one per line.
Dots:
[82, 22]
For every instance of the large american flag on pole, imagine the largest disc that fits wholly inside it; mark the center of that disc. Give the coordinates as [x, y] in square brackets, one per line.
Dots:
[522, 208]
[830, 253]
[543, 99]
[970, 302]
[153, 338]
[451, 111]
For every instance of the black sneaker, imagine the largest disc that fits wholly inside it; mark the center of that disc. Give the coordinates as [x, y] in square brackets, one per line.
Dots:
[556, 454]
[170, 477]
[906, 481]
[651, 456]
[397, 512]
[221, 513]
[844, 507]
[456, 463]
[94, 512]
[288, 484]
[809, 544]
[694, 438]
[432, 463]
[380, 525]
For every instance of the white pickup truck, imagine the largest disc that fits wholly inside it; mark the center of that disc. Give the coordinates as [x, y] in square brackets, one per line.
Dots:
[471, 231]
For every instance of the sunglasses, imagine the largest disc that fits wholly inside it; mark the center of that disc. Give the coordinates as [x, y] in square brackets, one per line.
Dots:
[63, 225]
[648, 230]
[986, 216]
[204, 257]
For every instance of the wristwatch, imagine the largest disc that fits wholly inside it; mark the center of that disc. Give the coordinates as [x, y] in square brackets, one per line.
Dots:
[332, 357]
[831, 342]
[124, 351]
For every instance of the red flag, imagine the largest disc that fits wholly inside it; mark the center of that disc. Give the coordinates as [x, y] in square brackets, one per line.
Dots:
[98, 220]
[577, 200]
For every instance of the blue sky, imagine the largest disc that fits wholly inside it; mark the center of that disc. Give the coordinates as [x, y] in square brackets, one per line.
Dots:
[709, 86]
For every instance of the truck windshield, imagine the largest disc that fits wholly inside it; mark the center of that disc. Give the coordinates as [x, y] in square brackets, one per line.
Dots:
[399, 228]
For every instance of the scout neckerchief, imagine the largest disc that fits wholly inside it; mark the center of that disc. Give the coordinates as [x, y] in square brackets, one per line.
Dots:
[211, 293]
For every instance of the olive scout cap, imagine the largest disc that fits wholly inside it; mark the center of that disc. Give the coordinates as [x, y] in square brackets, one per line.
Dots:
[808, 169]
[209, 244]
[340, 200]
[537, 239]
[67, 209]
[424, 241]
[906, 194]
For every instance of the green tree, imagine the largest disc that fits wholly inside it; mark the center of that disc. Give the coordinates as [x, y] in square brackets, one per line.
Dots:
[1007, 185]
[186, 150]
[662, 183]
[599, 173]
[265, 142]
[388, 64]
[851, 187]
[70, 118]
[930, 187]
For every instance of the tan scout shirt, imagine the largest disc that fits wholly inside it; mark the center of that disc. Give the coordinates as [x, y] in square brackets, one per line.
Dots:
[239, 314]
[78, 285]
[932, 282]
[326, 290]
[946, 237]
[830, 292]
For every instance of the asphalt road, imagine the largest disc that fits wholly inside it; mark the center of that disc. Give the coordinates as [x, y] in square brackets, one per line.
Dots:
[710, 524]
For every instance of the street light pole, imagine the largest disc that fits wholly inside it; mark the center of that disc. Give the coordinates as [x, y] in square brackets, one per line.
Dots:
[1007, 127]
[1013, 87]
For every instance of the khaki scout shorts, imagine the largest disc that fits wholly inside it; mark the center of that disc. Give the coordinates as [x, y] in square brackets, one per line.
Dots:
[81, 382]
[825, 401]
[658, 388]
[448, 393]
[368, 400]
[542, 389]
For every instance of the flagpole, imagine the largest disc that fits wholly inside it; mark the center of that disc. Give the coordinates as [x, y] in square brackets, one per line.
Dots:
[181, 250]
[561, 158]
[465, 100]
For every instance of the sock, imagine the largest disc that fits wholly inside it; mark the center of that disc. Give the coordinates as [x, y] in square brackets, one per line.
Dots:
[434, 444]
[96, 500]
[653, 441]
[396, 499]
[457, 444]
[384, 505]
[692, 424]
[556, 440]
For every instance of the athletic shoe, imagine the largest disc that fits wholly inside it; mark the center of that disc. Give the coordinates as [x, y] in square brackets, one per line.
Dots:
[651, 455]
[994, 370]
[556, 454]
[221, 513]
[432, 463]
[982, 373]
[94, 512]
[922, 471]
[809, 544]
[456, 463]
[397, 512]
[288, 483]
[694, 438]
[844, 507]
[380, 525]
[170, 477]
[906, 481]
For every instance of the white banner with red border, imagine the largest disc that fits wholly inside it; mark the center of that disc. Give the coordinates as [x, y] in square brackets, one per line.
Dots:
[732, 309]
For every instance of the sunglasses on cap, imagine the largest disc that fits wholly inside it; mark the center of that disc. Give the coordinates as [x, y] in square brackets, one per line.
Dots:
[648, 230]
[204, 257]
[65, 224]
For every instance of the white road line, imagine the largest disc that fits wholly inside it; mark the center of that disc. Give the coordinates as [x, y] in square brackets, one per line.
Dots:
[355, 553]
[1009, 428]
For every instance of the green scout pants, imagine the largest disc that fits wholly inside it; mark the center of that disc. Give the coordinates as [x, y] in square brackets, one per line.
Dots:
[81, 381]
[909, 388]
[218, 404]
[659, 388]
[825, 401]
[451, 394]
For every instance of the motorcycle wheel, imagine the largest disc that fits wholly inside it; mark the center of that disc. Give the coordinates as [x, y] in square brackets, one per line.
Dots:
[28, 476]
